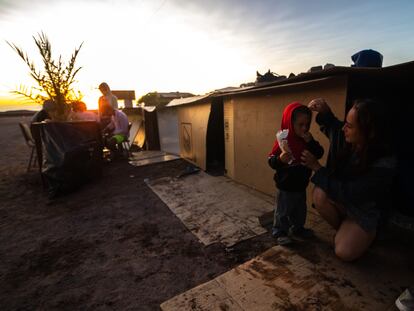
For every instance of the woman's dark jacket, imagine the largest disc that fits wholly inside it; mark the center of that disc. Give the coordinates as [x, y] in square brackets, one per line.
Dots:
[365, 195]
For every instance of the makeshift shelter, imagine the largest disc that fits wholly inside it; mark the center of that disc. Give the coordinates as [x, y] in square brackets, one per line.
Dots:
[161, 125]
[191, 139]
[252, 119]
[247, 119]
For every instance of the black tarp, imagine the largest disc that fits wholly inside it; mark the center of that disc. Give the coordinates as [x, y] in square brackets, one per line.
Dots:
[72, 153]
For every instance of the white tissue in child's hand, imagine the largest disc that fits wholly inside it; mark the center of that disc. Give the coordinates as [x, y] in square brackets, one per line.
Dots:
[282, 134]
[282, 139]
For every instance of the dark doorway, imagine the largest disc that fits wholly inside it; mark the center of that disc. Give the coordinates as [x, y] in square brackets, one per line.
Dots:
[395, 91]
[215, 139]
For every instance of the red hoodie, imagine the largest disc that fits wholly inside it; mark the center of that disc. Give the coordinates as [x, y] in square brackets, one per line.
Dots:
[296, 144]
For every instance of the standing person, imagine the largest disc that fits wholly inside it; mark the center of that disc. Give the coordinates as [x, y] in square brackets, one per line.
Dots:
[49, 106]
[354, 195]
[107, 99]
[291, 176]
[117, 129]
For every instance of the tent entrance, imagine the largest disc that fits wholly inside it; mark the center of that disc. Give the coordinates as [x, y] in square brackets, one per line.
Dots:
[215, 139]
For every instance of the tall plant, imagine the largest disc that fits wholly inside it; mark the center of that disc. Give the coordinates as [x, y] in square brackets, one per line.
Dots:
[56, 80]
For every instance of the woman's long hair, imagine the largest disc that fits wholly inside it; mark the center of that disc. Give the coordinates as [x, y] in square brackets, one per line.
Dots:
[373, 122]
[374, 126]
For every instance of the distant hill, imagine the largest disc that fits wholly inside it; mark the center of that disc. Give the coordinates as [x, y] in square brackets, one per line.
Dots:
[17, 113]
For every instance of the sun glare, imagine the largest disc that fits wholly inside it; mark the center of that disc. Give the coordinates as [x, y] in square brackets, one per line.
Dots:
[167, 52]
[91, 98]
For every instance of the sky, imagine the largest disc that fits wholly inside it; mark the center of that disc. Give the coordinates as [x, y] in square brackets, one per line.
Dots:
[197, 46]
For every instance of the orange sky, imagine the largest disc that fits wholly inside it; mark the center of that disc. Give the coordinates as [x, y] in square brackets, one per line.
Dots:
[198, 46]
[13, 102]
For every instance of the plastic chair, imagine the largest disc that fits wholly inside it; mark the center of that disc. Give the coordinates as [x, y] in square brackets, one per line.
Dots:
[30, 143]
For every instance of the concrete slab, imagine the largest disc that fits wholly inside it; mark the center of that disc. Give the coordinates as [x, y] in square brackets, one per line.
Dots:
[215, 209]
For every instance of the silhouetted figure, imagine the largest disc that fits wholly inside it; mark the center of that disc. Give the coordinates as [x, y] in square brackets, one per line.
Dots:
[117, 131]
[44, 114]
[107, 99]
[80, 113]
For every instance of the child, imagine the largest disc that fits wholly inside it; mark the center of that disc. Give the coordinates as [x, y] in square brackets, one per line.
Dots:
[291, 177]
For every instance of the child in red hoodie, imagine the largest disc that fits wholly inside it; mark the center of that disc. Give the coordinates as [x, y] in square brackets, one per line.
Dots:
[291, 176]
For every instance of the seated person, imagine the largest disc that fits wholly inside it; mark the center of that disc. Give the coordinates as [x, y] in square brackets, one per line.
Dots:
[79, 113]
[49, 106]
[117, 130]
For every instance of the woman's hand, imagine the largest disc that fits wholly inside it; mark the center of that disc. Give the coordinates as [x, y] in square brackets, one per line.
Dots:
[285, 157]
[309, 160]
[307, 137]
[319, 105]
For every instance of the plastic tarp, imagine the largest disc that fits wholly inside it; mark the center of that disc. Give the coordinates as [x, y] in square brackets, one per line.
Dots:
[72, 154]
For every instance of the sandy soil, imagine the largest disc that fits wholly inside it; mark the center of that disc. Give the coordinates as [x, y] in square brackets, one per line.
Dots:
[112, 245]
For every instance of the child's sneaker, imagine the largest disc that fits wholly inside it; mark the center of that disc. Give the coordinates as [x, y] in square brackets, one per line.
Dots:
[281, 237]
[284, 240]
[406, 301]
[302, 233]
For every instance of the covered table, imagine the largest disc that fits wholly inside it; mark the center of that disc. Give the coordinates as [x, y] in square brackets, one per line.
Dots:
[69, 154]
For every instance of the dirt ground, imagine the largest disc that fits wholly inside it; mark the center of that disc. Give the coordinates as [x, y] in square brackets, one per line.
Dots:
[112, 245]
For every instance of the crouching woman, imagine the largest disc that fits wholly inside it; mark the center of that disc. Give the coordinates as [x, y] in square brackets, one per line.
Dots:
[354, 194]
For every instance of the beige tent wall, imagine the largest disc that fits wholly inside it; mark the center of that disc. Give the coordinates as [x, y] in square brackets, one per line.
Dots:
[193, 121]
[257, 118]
